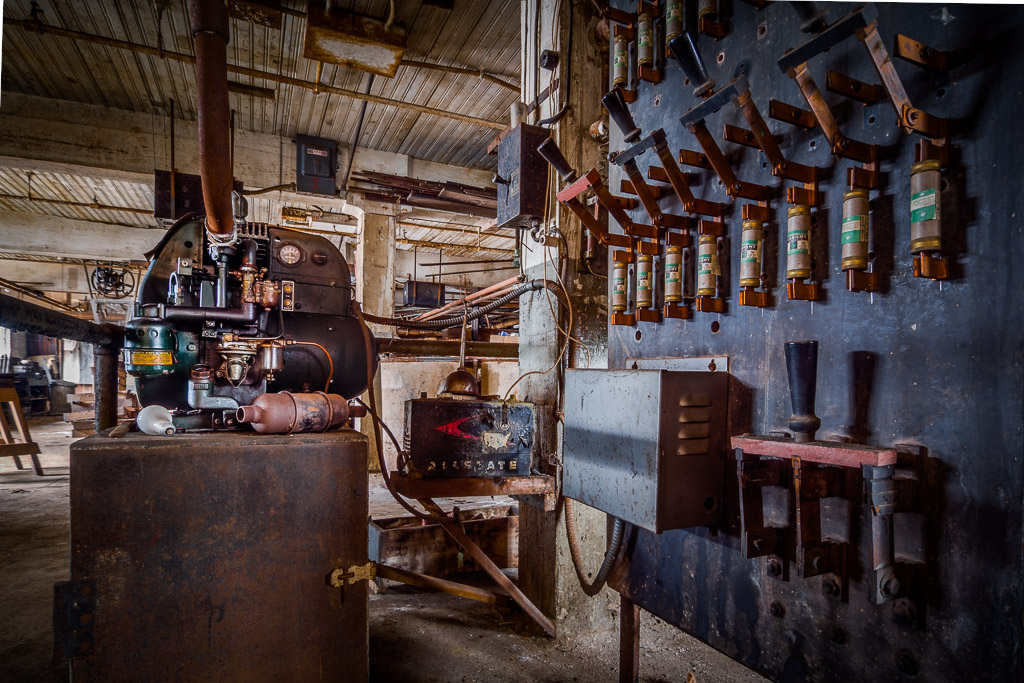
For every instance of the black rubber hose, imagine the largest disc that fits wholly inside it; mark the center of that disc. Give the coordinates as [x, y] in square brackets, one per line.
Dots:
[592, 588]
[441, 323]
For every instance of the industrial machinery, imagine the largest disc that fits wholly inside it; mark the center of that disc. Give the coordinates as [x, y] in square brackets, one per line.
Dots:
[217, 324]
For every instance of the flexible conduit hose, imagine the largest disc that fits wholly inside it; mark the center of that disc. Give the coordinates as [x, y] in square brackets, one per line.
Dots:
[592, 588]
[449, 321]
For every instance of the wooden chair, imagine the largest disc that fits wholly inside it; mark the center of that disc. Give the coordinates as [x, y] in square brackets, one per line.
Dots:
[8, 446]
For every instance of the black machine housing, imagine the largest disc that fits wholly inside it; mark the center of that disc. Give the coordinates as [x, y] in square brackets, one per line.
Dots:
[217, 325]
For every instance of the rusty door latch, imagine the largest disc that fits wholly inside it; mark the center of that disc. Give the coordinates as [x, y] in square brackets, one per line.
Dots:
[342, 577]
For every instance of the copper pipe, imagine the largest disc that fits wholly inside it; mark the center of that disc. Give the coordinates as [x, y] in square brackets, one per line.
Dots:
[475, 295]
[209, 20]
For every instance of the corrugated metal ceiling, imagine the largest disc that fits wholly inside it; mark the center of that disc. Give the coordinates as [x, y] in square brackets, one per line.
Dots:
[479, 34]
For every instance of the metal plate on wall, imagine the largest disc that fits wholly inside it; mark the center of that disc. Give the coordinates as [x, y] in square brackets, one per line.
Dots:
[925, 362]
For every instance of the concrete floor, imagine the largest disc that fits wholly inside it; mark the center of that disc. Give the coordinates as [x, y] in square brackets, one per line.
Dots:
[413, 636]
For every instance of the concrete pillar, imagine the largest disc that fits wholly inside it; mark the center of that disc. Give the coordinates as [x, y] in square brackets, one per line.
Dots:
[375, 290]
[546, 573]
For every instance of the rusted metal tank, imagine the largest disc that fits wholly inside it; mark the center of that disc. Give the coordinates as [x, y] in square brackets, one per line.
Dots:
[209, 557]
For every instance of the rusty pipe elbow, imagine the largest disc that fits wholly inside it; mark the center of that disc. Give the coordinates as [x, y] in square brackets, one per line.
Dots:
[249, 414]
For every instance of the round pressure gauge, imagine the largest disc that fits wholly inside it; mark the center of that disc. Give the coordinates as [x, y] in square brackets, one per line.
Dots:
[289, 254]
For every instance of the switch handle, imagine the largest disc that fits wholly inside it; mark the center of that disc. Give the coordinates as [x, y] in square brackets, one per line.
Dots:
[549, 150]
[619, 112]
[802, 367]
[684, 49]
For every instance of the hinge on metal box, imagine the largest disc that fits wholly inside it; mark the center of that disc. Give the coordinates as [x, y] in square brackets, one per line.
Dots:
[74, 606]
[354, 574]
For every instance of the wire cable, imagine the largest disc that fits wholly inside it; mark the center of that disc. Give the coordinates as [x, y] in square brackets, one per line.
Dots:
[330, 362]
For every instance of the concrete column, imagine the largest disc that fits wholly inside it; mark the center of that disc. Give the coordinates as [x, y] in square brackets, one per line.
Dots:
[375, 277]
[546, 573]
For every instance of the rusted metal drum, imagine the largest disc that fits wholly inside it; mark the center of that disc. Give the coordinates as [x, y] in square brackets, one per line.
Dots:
[208, 557]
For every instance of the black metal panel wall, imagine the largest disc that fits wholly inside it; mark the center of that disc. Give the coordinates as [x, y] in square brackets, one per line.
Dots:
[938, 364]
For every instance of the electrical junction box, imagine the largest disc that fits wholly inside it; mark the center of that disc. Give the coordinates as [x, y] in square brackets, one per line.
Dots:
[647, 446]
[426, 294]
[316, 165]
[522, 177]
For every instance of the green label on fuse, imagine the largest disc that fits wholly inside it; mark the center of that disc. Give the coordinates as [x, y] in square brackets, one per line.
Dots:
[705, 265]
[644, 37]
[621, 59]
[924, 205]
[853, 230]
[798, 242]
[750, 251]
[619, 285]
[672, 273]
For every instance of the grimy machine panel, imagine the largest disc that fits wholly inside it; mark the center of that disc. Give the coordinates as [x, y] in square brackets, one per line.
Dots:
[891, 236]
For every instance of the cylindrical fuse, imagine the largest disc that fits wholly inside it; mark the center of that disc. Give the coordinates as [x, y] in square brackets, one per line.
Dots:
[707, 265]
[798, 242]
[751, 241]
[673, 274]
[707, 8]
[645, 40]
[619, 279]
[925, 206]
[673, 19]
[854, 238]
[644, 281]
[620, 61]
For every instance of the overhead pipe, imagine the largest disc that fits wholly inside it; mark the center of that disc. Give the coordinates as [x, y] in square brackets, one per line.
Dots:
[209, 20]
[26, 317]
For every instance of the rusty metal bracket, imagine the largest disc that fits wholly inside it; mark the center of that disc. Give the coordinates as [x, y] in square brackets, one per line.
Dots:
[928, 266]
[911, 119]
[841, 84]
[74, 607]
[787, 113]
[920, 54]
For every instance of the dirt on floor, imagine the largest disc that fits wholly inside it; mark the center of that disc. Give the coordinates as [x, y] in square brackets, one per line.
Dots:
[414, 636]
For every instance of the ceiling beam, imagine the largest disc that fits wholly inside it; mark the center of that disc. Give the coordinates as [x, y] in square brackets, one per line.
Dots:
[43, 134]
[32, 233]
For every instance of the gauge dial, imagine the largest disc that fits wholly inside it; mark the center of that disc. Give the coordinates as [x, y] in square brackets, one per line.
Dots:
[289, 254]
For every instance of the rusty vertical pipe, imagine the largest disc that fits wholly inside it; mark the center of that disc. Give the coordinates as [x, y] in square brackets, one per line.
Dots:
[105, 386]
[209, 20]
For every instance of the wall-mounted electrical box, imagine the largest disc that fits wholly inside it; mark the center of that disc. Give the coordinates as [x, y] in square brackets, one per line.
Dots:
[647, 446]
[316, 165]
[522, 177]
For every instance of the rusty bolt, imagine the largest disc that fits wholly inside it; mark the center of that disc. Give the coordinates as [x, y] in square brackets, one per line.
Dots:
[817, 561]
[889, 586]
[831, 588]
[776, 609]
[774, 568]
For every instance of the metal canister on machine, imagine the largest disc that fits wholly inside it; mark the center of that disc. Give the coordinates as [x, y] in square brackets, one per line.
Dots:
[856, 210]
[673, 274]
[620, 277]
[673, 19]
[644, 281]
[707, 265]
[620, 62]
[925, 206]
[751, 243]
[645, 40]
[798, 242]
